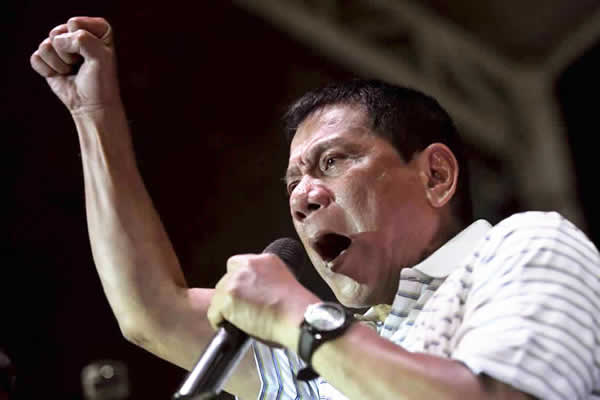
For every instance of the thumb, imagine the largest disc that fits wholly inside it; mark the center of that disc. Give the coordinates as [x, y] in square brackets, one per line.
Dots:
[80, 42]
[98, 27]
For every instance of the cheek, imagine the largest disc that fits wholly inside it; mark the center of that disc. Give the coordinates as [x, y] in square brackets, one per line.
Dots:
[390, 203]
[359, 200]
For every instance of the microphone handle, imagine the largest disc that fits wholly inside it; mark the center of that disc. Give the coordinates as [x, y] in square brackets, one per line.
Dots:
[217, 362]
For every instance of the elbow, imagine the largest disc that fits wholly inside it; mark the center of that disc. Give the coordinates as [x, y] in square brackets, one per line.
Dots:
[137, 336]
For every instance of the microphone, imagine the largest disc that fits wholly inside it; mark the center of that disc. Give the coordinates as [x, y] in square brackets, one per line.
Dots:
[229, 344]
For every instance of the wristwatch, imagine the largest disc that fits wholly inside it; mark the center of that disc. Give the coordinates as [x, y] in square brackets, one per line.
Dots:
[322, 322]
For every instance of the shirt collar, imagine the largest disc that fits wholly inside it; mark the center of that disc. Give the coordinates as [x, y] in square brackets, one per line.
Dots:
[445, 259]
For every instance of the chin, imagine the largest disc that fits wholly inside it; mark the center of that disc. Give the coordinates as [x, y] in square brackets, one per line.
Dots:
[351, 293]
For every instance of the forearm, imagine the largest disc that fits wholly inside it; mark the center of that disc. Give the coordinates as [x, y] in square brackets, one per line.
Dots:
[366, 366]
[138, 268]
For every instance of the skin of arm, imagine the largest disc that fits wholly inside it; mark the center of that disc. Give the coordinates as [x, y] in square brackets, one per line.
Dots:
[388, 371]
[137, 265]
[138, 268]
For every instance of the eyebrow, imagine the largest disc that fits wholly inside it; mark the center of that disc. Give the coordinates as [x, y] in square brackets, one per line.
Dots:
[314, 152]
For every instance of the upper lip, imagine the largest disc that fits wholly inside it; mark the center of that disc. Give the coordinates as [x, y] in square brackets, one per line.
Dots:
[330, 244]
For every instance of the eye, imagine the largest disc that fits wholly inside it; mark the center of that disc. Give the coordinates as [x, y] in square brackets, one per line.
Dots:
[291, 186]
[328, 162]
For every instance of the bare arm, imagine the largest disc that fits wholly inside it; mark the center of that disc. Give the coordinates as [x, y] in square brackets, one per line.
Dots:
[388, 371]
[138, 268]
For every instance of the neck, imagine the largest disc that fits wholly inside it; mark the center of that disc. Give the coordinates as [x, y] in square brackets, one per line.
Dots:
[448, 226]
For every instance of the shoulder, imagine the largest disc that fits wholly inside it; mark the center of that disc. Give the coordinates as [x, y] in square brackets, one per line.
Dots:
[532, 244]
[537, 231]
[534, 290]
[530, 221]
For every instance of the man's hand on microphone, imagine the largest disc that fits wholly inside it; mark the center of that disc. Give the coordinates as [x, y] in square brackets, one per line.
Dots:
[259, 295]
[78, 61]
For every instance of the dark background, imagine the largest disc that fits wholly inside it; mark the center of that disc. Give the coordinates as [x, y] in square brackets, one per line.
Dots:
[204, 87]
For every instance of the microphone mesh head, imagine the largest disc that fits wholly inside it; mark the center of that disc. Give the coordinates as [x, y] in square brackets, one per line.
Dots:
[293, 254]
[290, 251]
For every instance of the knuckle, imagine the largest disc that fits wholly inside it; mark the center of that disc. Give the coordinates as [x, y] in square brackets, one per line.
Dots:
[232, 290]
[242, 274]
[239, 280]
[266, 261]
[57, 29]
[234, 262]
[36, 62]
[251, 261]
[74, 21]
[258, 262]
[234, 259]
[81, 36]
[33, 60]
[45, 46]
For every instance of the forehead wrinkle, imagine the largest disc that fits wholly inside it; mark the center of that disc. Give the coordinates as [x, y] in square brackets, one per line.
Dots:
[312, 152]
[315, 150]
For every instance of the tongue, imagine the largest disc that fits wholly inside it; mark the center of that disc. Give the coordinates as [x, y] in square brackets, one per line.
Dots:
[331, 245]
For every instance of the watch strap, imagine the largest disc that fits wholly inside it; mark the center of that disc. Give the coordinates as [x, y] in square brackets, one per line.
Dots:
[307, 374]
[310, 339]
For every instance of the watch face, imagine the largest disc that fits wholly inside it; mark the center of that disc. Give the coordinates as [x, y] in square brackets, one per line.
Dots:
[325, 317]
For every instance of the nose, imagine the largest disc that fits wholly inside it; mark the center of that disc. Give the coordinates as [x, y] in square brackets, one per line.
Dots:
[307, 198]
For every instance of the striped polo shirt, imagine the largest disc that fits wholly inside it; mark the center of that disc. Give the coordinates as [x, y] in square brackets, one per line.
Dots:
[519, 302]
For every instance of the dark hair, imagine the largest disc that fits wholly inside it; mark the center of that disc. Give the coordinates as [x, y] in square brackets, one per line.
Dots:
[407, 118]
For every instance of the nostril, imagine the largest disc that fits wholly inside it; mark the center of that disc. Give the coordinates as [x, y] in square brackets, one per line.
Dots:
[313, 206]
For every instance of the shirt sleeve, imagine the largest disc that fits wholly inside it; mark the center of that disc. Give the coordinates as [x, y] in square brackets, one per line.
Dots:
[277, 369]
[531, 318]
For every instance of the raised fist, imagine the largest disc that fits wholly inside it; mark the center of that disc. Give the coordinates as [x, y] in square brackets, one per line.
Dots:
[78, 61]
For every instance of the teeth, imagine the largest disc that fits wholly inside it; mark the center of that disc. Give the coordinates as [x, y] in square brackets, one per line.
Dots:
[329, 264]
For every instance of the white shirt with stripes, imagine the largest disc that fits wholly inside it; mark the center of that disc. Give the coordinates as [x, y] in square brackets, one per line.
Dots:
[519, 302]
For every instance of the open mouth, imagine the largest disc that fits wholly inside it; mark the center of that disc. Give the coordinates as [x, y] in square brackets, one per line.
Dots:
[331, 245]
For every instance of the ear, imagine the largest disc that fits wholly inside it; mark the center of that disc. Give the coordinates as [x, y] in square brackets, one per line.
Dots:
[438, 170]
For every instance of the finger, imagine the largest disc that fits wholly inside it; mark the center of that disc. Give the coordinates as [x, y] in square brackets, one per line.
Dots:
[48, 54]
[70, 59]
[79, 42]
[239, 260]
[98, 27]
[40, 66]
[214, 316]
[235, 262]
[57, 30]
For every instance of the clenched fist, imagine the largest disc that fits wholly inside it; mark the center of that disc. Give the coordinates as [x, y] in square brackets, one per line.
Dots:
[259, 295]
[86, 43]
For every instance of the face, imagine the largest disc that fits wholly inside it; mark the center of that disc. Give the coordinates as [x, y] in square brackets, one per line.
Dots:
[360, 210]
